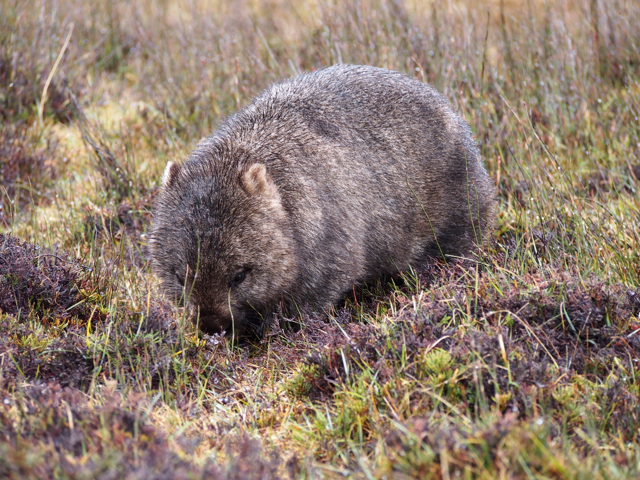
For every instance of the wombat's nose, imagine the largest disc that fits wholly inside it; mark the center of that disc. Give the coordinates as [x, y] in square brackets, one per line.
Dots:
[211, 323]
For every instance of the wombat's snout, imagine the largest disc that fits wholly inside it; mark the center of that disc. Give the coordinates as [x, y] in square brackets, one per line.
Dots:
[211, 323]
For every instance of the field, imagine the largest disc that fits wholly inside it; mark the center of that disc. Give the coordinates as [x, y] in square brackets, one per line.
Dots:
[521, 362]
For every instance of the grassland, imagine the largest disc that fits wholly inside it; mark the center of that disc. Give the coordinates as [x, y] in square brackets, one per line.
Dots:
[521, 362]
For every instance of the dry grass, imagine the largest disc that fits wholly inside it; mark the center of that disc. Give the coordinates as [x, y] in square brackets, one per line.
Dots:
[519, 363]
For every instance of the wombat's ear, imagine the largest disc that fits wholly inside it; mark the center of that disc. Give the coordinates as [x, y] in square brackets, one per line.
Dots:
[170, 174]
[256, 181]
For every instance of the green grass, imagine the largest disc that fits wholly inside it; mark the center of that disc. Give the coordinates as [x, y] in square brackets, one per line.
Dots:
[521, 362]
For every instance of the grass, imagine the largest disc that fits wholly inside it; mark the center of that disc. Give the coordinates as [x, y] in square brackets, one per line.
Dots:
[521, 362]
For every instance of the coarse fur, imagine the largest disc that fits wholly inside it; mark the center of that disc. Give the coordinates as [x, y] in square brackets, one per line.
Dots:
[327, 180]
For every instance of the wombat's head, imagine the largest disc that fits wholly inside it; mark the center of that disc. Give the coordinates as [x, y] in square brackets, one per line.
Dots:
[220, 243]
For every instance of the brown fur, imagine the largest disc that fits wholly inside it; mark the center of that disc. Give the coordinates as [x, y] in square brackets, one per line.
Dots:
[327, 180]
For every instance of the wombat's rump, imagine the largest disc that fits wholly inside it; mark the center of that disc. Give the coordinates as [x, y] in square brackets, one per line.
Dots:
[326, 180]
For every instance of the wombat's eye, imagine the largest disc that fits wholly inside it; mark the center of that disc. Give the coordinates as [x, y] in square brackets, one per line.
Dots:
[180, 279]
[239, 278]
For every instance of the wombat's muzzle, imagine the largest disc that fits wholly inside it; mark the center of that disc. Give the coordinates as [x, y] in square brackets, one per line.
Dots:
[210, 321]
[242, 323]
[213, 324]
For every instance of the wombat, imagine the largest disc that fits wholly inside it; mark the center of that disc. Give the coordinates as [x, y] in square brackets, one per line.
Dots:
[330, 179]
